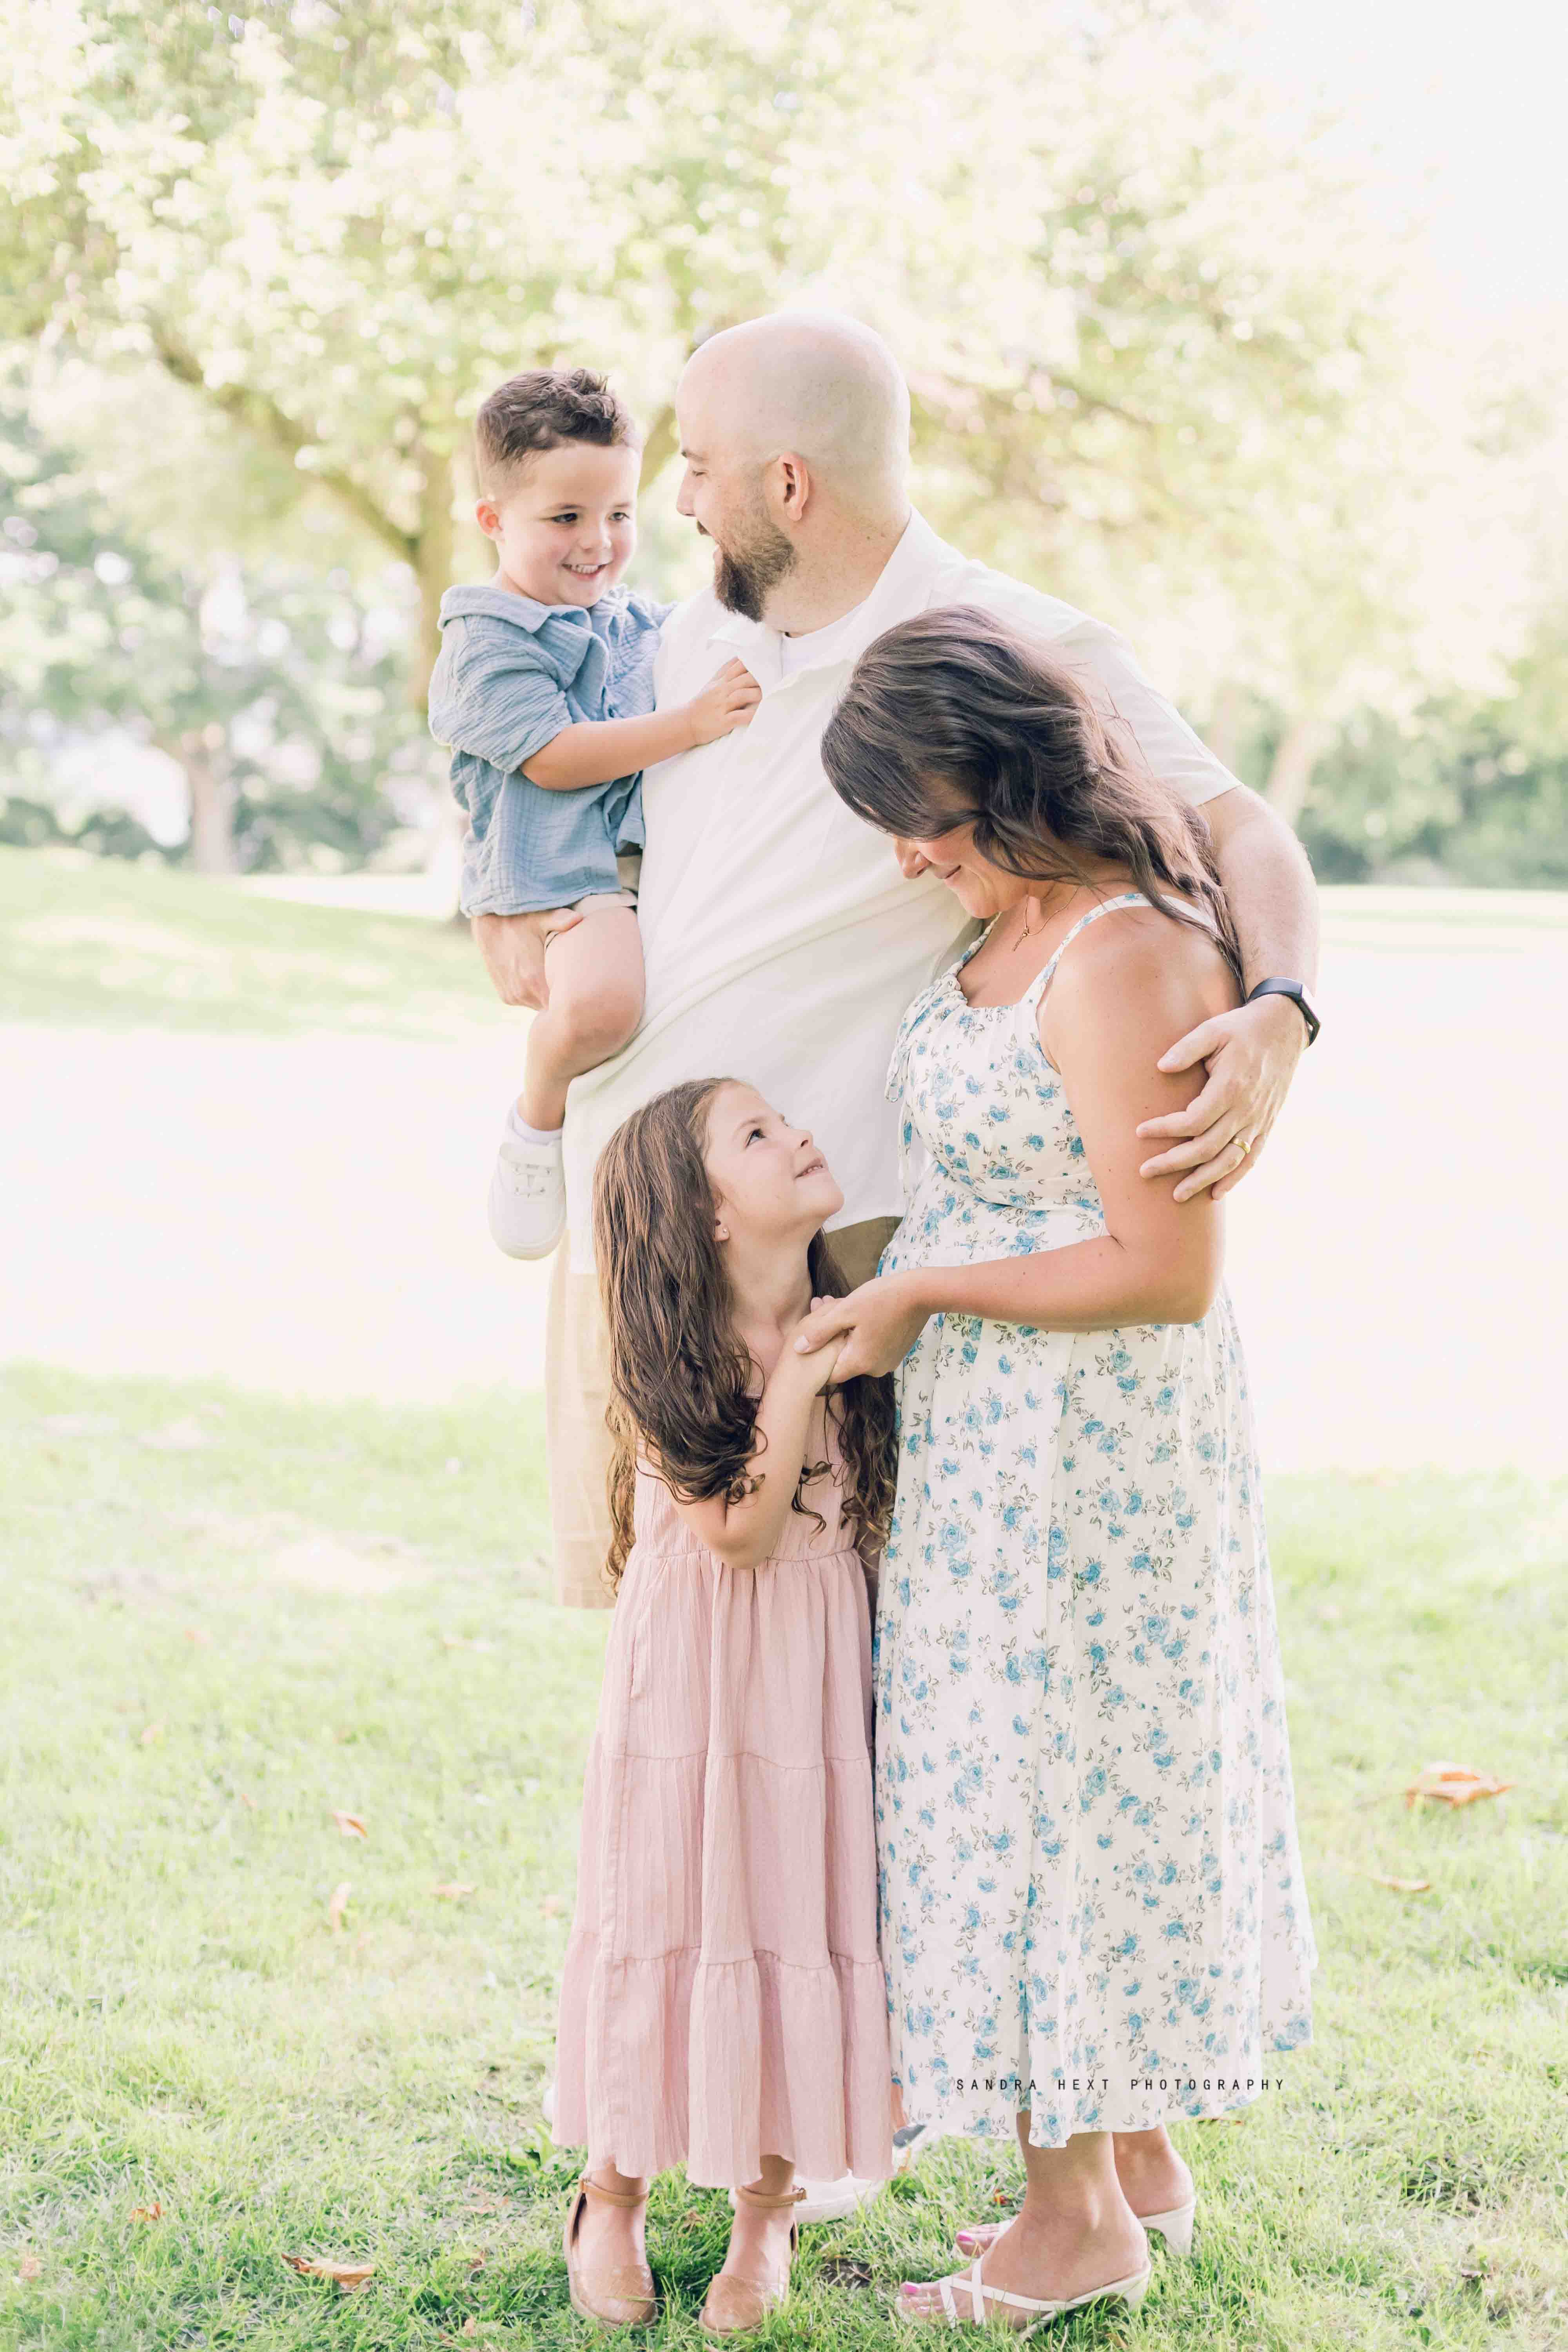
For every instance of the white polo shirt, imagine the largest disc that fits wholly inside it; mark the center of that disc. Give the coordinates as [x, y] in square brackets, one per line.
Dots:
[781, 943]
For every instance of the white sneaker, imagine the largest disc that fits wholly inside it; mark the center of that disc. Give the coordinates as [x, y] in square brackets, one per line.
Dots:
[528, 1197]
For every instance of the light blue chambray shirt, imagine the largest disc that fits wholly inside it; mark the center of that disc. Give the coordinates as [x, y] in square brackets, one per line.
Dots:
[511, 674]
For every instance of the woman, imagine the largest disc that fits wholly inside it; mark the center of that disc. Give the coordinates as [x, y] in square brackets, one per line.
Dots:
[1093, 1910]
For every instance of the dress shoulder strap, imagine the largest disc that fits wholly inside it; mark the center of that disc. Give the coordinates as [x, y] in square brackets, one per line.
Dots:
[1042, 980]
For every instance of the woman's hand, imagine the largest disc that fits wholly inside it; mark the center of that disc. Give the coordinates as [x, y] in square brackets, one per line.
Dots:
[878, 1324]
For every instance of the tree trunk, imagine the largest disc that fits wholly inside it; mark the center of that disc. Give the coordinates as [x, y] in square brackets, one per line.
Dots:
[662, 442]
[432, 561]
[1290, 779]
[212, 849]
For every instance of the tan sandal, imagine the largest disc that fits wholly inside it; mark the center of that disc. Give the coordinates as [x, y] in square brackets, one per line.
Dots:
[626, 2294]
[735, 2305]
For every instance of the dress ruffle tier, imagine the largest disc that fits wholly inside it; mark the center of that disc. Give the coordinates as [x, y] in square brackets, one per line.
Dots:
[723, 1997]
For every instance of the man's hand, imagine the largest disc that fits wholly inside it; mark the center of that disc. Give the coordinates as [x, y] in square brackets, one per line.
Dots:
[1250, 1056]
[513, 949]
[882, 1321]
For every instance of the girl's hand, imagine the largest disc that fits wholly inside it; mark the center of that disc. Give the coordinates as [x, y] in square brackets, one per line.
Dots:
[878, 1324]
[818, 1369]
[726, 702]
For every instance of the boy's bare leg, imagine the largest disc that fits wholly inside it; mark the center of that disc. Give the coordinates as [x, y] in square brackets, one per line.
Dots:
[595, 975]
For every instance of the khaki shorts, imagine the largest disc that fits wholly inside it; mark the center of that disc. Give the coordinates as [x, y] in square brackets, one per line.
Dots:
[628, 865]
[578, 1391]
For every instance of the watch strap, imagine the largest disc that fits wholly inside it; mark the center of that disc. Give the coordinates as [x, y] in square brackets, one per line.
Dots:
[1297, 992]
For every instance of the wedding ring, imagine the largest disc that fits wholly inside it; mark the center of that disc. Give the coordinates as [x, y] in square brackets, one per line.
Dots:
[1246, 1148]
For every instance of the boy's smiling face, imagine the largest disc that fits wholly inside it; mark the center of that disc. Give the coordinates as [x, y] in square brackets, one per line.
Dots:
[564, 525]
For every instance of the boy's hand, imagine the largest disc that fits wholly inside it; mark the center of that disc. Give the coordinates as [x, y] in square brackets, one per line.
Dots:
[726, 702]
[513, 949]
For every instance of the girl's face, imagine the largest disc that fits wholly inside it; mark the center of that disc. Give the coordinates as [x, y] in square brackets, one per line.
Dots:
[981, 888]
[770, 1181]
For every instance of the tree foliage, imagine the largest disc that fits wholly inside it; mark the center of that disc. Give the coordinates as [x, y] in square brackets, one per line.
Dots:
[1160, 363]
[275, 688]
[1126, 316]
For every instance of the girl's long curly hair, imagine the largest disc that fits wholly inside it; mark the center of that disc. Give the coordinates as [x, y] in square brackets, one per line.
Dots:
[954, 704]
[681, 1380]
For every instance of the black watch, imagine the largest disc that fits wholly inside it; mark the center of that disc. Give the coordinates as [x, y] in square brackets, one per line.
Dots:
[1309, 1011]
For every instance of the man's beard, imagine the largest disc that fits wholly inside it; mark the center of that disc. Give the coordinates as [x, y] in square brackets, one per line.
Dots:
[743, 575]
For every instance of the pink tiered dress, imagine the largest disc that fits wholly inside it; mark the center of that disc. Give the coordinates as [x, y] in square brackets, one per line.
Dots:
[723, 1997]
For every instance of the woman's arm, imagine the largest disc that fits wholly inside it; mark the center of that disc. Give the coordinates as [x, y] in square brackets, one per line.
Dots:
[597, 750]
[1159, 1261]
[745, 1533]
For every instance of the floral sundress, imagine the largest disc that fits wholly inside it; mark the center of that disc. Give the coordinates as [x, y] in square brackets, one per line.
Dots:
[1092, 1896]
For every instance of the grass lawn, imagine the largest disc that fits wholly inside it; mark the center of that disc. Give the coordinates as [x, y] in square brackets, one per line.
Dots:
[119, 945]
[229, 1616]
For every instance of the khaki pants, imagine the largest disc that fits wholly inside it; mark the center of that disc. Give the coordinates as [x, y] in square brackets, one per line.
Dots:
[577, 1392]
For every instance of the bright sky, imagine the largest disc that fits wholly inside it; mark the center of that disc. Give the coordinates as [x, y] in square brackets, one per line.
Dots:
[1462, 110]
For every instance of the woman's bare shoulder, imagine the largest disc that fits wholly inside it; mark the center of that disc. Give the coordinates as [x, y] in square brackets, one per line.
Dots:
[1140, 956]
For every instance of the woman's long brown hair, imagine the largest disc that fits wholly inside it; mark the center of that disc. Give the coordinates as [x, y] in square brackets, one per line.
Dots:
[952, 718]
[681, 1379]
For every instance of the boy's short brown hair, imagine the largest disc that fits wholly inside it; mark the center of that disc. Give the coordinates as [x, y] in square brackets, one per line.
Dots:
[541, 409]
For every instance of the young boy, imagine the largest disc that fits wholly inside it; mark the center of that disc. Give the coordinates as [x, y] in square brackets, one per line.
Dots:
[544, 692]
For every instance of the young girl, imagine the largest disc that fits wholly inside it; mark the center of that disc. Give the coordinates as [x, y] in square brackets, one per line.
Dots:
[723, 2000]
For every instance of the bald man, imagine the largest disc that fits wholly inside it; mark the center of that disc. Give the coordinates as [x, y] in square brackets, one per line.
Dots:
[782, 937]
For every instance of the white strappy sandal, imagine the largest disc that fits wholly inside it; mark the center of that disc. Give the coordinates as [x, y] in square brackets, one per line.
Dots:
[1131, 2292]
[1175, 2227]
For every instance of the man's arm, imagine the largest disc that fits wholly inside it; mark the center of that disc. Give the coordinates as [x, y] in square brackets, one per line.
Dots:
[1250, 1053]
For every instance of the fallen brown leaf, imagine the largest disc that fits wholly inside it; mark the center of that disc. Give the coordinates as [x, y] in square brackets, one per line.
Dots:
[551, 1906]
[350, 1824]
[196, 1633]
[248, 1801]
[30, 2267]
[146, 2212]
[153, 1736]
[337, 1904]
[464, 1642]
[348, 2275]
[1400, 1885]
[1453, 1784]
[452, 1890]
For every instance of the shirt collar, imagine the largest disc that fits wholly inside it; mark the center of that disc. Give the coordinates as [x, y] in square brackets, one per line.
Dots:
[902, 587]
[522, 612]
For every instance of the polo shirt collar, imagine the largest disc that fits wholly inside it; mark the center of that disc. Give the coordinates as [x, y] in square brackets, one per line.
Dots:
[902, 586]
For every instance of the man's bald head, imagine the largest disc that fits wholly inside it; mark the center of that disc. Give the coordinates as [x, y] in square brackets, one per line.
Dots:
[811, 384]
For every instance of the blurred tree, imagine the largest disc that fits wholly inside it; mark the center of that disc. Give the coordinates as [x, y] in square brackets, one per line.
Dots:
[1137, 319]
[275, 689]
[1467, 788]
